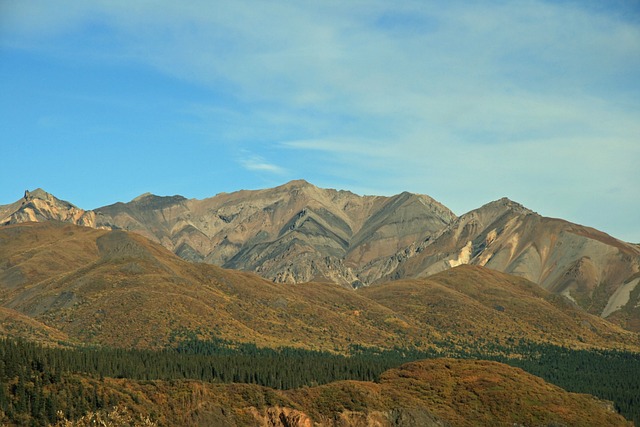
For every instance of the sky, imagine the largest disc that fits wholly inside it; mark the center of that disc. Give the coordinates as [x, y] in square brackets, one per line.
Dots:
[468, 102]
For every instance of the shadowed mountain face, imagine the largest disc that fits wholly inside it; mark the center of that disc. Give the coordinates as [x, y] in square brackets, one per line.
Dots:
[120, 289]
[297, 233]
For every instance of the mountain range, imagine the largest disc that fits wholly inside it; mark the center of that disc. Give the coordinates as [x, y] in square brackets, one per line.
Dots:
[297, 233]
[327, 274]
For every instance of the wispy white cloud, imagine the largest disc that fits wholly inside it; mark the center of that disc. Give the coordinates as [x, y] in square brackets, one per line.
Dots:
[259, 164]
[521, 97]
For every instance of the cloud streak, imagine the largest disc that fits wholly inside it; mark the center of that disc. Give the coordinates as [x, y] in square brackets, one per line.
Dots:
[258, 164]
[524, 98]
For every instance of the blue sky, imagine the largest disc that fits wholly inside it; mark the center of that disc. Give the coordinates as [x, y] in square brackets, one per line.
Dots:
[465, 101]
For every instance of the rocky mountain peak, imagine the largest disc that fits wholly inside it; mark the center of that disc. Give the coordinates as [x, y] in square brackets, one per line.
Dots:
[150, 198]
[146, 201]
[142, 197]
[294, 187]
[38, 205]
[40, 196]
[38, 193]
[506, 204]
[298, 183]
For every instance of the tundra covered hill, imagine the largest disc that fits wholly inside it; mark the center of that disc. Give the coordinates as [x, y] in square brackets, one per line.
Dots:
[484, 305]
[120, 289]
[292, 233]
[429, 393]
[449, 392]
[18, 325]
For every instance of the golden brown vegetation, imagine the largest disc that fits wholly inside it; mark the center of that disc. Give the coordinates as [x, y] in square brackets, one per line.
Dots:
[444, 391]
[119, 289]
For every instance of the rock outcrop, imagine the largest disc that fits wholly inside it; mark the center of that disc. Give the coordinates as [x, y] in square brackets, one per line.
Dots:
[38, 205]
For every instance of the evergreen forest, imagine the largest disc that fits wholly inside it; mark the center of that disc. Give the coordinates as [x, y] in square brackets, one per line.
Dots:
[40, 384]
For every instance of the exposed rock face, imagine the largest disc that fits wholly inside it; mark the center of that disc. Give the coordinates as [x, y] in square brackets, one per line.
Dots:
[38, 205]
[581, 263]
[292, 233]
[281, 417]
[623, 306]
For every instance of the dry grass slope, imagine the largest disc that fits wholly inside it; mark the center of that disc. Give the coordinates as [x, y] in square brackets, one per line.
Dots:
[118, 288]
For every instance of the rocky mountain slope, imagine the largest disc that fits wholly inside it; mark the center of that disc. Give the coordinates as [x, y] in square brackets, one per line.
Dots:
[289, 234]
[120, 289]
[38, 205]
[297, 233]
[594, 270]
